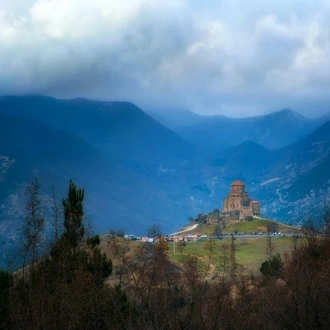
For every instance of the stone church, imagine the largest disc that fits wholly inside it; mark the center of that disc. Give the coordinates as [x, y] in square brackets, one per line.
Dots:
[238, 203]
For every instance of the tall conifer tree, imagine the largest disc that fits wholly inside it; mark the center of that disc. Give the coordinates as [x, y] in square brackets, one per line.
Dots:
[73, 216]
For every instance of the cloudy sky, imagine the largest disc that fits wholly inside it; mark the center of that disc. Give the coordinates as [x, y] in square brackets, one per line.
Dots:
[231, 57]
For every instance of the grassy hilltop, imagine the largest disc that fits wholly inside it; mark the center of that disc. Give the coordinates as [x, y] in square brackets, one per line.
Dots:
[246, 227]
[250, 250]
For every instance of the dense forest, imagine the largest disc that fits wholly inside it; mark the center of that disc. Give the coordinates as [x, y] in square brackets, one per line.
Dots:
[64, 284]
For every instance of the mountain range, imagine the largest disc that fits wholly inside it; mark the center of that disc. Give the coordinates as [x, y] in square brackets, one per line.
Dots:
[220, 132]
[135, 171]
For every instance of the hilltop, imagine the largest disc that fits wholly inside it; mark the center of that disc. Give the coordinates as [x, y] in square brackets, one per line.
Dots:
[250, 249]
[251, 242]
[228, 227]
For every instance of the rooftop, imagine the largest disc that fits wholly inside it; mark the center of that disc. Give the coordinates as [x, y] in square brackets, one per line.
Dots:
[237, 183]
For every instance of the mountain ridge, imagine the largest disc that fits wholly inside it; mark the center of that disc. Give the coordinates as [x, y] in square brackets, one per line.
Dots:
[219, 132]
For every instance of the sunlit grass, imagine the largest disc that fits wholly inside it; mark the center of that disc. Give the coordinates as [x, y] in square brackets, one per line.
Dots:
[250, 251]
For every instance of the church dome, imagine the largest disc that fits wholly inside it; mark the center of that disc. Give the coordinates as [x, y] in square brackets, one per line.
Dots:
[237, 183]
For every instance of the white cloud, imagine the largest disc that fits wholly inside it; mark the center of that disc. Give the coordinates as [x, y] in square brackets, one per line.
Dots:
[235, 58]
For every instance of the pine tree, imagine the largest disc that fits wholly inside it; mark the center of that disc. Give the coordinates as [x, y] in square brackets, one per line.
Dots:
[73, 216]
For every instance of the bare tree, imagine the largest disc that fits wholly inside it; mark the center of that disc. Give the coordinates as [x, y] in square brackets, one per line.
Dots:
[217, 231]
[209, 247]
[272, 227]
[224, 259]
[270, 247]
[33, 225]
[233, 263]
[155, 230]
[57, 212]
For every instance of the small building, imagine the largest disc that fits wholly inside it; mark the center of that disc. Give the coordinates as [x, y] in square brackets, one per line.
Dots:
[238, 202]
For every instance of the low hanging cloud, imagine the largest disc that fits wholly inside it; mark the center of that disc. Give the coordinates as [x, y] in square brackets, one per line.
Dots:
[234, 58]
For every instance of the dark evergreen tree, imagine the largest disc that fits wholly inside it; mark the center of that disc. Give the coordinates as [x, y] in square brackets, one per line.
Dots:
[6, 282]
[73, 216]
[93, 241]
[273, 266]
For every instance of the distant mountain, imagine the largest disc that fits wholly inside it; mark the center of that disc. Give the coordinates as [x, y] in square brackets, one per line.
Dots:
[174, 117]
[135, 171]
[303, 169]
[118, 128]
[272, 131]
[29, 148]
[248, 160]
[325, 117]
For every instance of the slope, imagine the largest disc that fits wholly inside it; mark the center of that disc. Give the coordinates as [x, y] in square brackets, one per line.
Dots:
[165, 169]
[300, 177]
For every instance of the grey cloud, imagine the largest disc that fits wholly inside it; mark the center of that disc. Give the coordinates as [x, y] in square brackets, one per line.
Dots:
[220, 57]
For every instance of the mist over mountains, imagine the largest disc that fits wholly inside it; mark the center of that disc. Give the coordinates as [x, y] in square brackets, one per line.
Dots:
[136, 171]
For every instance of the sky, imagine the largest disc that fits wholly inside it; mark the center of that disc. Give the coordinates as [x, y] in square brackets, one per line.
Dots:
[236, 58]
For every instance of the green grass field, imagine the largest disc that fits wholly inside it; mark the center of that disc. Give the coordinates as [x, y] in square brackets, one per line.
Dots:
[250, 251]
